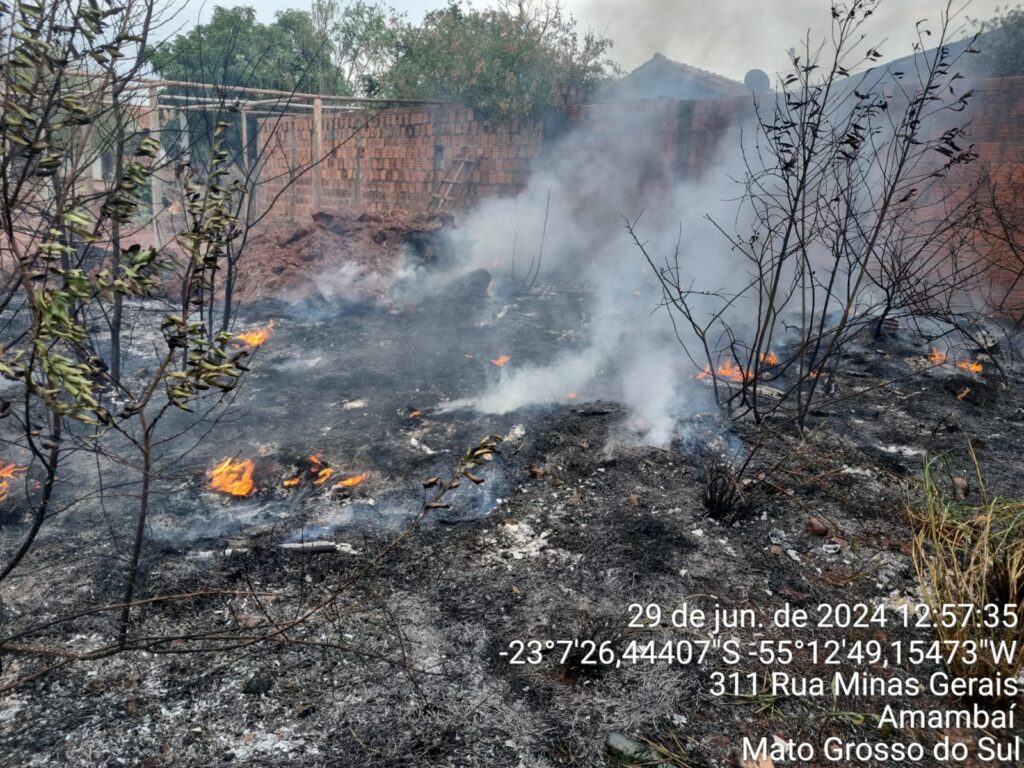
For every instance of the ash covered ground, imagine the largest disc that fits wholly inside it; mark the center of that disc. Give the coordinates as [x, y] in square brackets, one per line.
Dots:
[576, 519]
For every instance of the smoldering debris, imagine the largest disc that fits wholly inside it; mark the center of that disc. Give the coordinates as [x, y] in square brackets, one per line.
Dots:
[339, 255]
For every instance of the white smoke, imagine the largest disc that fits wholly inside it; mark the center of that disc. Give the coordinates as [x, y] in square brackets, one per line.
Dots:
[571, 218]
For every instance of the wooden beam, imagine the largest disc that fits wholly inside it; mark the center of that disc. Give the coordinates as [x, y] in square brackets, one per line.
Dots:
[318, 149]
[156, 190]
[245, 143]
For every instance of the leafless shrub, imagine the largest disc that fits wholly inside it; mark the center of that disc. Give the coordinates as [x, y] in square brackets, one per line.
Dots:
[844, 220]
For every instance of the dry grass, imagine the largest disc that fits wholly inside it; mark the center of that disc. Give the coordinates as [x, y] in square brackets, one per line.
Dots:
[971, 555]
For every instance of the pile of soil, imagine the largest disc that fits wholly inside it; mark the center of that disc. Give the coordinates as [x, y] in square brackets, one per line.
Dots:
[347, 254]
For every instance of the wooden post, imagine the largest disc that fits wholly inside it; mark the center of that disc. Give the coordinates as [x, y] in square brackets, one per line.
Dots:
[92, 182]
[245, 144]
[293, 163]
[318, 150]
[247, 182]
[357, 197]
[435, 178]
[155, 184]
[185, 138]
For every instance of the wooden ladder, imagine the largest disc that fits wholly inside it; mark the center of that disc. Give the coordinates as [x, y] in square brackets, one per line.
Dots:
[459, 173]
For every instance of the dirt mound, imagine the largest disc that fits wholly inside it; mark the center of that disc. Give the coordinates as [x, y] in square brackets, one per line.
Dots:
[338, 254]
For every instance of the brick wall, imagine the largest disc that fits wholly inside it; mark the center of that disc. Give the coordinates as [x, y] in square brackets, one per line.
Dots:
[394, 159]
[399, 157]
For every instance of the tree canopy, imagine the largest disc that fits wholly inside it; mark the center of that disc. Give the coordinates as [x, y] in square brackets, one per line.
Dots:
[1002, 44]
[506, 62]
[233, 48]
[509, 61]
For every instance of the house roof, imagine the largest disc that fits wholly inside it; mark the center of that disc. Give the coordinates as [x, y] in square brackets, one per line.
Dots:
[662, 77]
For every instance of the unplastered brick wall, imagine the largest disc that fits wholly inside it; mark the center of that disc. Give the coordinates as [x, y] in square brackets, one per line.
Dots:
[400, 158]
[396, 158]
[988, 193]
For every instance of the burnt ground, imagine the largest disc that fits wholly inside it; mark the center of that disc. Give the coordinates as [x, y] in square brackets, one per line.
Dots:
[402, 667]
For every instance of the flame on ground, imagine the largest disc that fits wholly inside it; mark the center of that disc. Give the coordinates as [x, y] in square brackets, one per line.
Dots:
[318, 472]
[728, 370]
[233, 476]
[8, 472]
[571, 395]
[322, 471]
[938, 357]
[970, 366]
[770, 358]
[500, 360]
[256, 336]
[348, 482]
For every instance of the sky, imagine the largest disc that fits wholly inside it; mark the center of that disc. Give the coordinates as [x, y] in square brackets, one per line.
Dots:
[729, 37]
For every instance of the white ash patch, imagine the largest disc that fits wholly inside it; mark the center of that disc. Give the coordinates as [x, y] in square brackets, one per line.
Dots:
[254, 742]
[11, 706]
[518, 540]
[858, 472]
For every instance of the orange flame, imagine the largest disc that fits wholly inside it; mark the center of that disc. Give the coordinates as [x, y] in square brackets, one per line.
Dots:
[7, 474]
[970, 366]
[937, 356]
[500, 360]
[769, 357]
[571, 395]
[256, 336]
[728, 370]
[233, 477]
[415, 413]
[318, 471]
[348, 482]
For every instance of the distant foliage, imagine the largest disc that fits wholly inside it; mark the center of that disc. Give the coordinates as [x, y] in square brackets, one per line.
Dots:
[511, 61]
[233, 48]
[508, 62]
[1002, 44]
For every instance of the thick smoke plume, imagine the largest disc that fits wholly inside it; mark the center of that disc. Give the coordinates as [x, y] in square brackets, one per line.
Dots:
[571, 221]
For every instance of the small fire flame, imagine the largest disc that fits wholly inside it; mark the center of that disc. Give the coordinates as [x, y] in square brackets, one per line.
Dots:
[500, 360]
[728, 370]
[571, 395]
[415, 413]
[970, 366]
[321, 470]
[769, 358]
[7, 474]
[938, 357]
[256, 336]
[318, 472]
[233, 476]
[348, 482]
